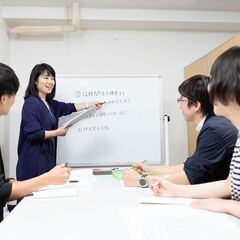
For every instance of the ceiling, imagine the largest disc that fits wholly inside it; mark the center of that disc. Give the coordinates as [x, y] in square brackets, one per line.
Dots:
[201, 5]
[183, 15]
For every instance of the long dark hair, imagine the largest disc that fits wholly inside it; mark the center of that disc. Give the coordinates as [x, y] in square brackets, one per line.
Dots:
[38, 70]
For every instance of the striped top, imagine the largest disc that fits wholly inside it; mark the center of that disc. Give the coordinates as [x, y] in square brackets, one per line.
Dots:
[235, 172]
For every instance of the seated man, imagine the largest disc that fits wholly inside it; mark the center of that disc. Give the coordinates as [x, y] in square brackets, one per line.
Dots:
[214, 146]
[11, 189]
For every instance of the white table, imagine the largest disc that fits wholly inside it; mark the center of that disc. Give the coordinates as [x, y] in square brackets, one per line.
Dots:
[110, 211]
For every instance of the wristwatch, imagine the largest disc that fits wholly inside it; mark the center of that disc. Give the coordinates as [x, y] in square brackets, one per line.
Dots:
[143, 181]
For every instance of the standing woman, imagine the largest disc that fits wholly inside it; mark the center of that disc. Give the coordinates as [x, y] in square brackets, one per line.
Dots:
[39, 125]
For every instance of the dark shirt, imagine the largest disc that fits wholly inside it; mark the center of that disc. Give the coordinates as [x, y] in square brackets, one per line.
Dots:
[37, 155]
[5, 188]
[212, 157]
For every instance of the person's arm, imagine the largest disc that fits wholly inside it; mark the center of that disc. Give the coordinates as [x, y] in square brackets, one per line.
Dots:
[219, 189]
[157, 170]
[61, 131]
[178, 178]
[58, 175]
[218, 205]
[130, 178]
[81, 106]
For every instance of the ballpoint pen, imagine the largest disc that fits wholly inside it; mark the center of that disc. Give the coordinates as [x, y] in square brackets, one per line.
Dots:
[154, 185]
[139, 169]
[99, 105]
[73, 181]
[142, 162]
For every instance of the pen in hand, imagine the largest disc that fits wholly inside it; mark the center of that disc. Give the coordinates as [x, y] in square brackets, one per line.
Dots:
[99, 105]
[141, 162]
[139, 168]
[154, 184]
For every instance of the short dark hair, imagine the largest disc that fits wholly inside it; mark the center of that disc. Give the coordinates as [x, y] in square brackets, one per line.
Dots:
[9, 82]
[195, 89]
[38, 70]
[225, 77]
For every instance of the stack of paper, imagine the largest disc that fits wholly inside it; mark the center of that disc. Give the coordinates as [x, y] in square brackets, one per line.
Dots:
[56, 191]
[76, 117]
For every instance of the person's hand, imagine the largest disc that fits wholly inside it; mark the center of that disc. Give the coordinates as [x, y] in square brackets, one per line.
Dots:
[164, 188]
[59, 174]
[130, 178]
[97, 105]
[152, 179]
[62, 131]
[142, 168]
[11, 180]
[211, 204]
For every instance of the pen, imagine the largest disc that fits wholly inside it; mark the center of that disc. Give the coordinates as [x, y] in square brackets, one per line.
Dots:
[142, 162]
[116, 168]
[100, 103]
[138, 168]
[134, 167]
[73, 181]
[154, 185]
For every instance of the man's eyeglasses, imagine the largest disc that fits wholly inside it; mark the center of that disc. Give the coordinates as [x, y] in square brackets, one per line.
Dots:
[180, 99]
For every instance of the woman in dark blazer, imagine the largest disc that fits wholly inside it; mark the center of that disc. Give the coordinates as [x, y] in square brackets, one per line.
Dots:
[39, 125]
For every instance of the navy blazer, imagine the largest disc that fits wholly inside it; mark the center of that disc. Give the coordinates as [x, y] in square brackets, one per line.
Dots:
[212, 157]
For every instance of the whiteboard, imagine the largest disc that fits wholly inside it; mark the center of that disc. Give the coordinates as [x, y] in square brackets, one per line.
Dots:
[127, 128]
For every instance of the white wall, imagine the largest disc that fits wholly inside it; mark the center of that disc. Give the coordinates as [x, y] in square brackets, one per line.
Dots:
[4, 58]
[177, 127]
[116, 52]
